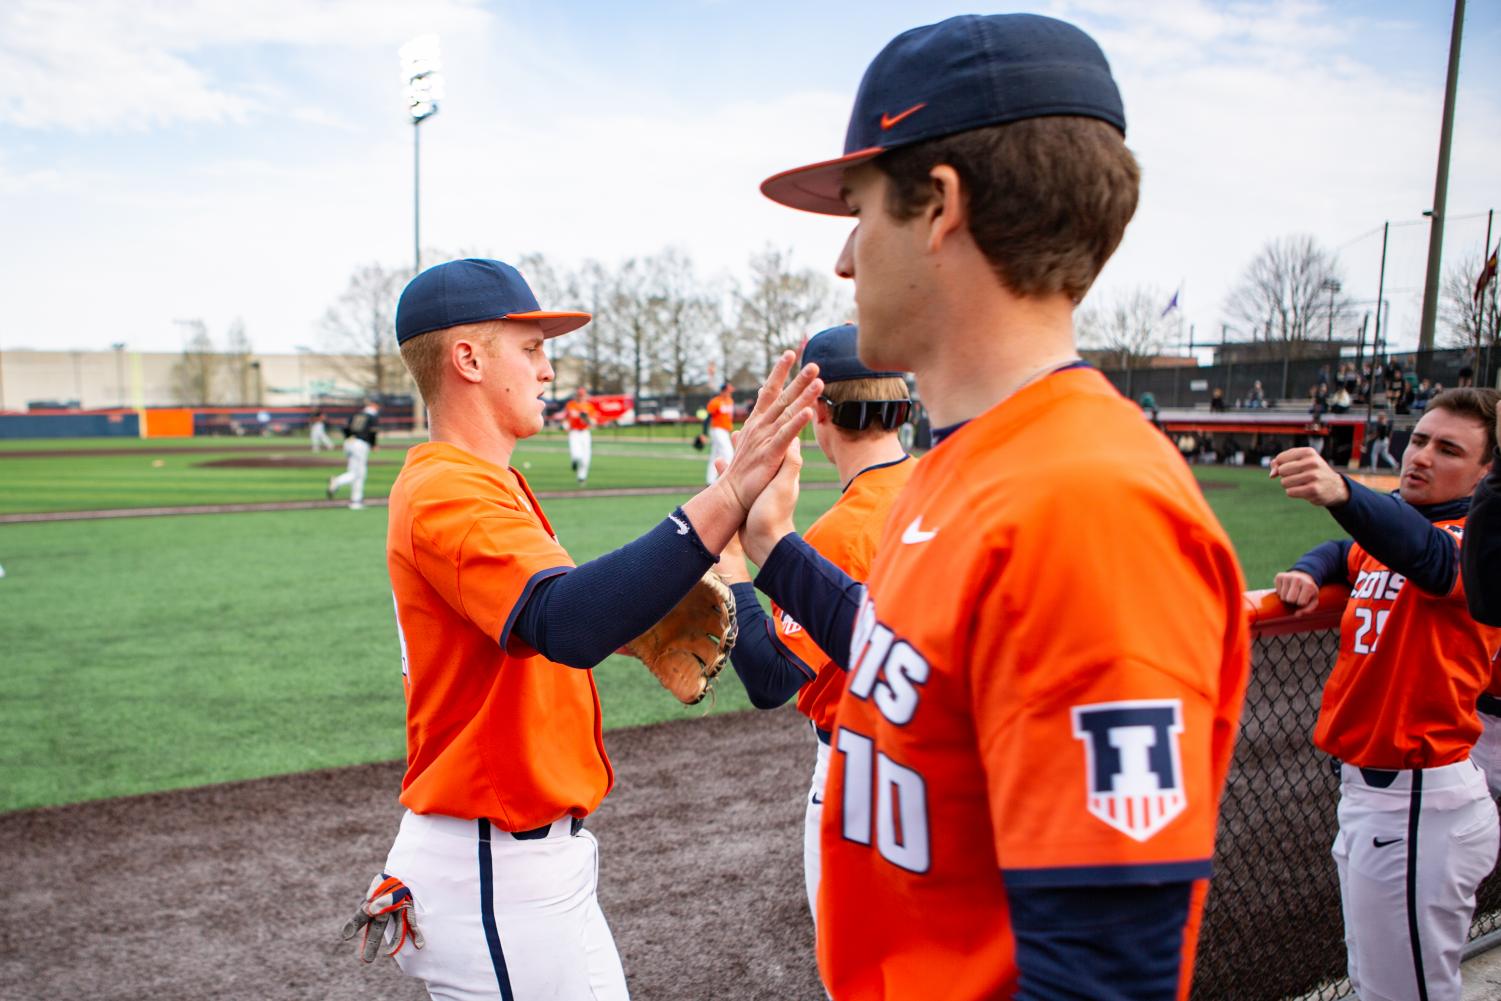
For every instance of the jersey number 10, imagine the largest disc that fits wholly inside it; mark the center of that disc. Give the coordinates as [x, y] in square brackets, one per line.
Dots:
[900, 818]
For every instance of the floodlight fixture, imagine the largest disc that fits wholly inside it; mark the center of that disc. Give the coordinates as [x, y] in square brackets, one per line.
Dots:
[421, 71]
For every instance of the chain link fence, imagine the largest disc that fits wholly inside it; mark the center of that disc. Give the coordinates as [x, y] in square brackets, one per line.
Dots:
[1272, 927]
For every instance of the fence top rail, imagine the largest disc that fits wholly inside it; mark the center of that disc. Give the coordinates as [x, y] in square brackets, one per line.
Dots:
[1271, 617]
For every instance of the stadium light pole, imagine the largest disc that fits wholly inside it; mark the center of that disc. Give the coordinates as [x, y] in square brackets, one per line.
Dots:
[420, 65]
[119, 348]
[1441, 187]
[1331, 286]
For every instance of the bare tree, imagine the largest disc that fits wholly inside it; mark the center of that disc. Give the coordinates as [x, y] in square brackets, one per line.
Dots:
[1129, 324]
[360, 329]
[237, 362]
[1468, 322]
[775, 310]
[1285, 294]
[195, 375]
[687, 319]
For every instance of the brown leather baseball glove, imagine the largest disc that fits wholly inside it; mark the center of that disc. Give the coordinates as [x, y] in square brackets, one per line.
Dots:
[692, 643]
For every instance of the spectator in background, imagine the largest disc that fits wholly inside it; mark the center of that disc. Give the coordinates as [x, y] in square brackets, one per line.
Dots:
[1381, 442]
[1340, 403]
[1257, 396]
[1318, 395]
[1466, 377]
[1148, 402]
[1417, 828]
[1422, 395]
[1217, 401]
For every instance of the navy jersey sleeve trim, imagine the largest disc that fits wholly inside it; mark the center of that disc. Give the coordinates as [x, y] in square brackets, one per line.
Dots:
[523, 601]
[770, 672]
[1480, 557]
[1099, 943]
[1110, 875]
[585, 613]
[821, 597]
[1327, 562]
[1401, 537]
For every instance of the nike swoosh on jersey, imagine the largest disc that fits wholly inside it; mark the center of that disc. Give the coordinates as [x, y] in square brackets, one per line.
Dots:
[1382, 844]
[889, 121]
[914, 532]
[682, 526]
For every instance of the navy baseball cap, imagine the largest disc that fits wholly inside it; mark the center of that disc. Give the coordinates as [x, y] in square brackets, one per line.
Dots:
[960, 74]
[833, 351]
[471, 291]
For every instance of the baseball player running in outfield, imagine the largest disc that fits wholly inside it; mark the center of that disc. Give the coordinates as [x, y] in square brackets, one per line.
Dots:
[359, 441]
[318, 432]
[1047, 662]
[720, 422]
[856, 428]
[498, 629]
[1417, 830]
[579, 417]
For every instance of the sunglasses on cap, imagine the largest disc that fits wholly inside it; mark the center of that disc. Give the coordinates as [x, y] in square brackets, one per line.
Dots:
[857, 415]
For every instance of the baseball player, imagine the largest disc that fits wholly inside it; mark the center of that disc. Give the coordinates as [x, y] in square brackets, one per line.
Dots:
[499, 630]
[1417, 829]
[359, 441]
[1480, 563]
[720, 422]
[579, 417]
[1047, 660]
[318, 431]
[856, 427]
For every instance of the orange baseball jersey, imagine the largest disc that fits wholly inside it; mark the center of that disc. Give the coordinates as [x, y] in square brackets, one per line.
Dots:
[1045, 681]
[846, 535]
[578, 414]
[493, 729]
[722, 412]
[1411, 666]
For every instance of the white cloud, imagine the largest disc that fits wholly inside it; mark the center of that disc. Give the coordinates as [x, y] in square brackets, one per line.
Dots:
[121, 66]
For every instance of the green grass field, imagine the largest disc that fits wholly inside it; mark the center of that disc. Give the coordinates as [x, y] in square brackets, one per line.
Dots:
[137, 473]
[157, 653]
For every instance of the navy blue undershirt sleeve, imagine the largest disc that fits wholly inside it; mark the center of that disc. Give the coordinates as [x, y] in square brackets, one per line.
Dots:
[770, 672]
[820, 596]
[1099, 943]
[1480, 556]
[1401, 537]
[582, 615]
[1327, 562]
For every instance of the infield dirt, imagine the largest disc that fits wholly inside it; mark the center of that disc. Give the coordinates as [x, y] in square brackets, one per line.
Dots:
[238, 891]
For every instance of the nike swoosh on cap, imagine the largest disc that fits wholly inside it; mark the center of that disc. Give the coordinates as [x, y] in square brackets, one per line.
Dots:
[889, 121]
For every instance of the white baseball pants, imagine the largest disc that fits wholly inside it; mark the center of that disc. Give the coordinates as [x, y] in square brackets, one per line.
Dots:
[812, 820]
[502, 918]
[318, 433]
[720, 447]
[579, 447]
[357, 451]
[1487, 751]
[1410, 856]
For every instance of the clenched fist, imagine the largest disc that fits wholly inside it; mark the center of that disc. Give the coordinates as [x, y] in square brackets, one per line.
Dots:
[1306, 476]
[1298, 590]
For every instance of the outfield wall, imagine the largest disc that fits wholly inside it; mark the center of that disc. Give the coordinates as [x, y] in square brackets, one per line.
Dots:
[113, 424]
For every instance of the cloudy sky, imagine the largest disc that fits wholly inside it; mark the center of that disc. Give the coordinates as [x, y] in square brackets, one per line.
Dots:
[208, 158]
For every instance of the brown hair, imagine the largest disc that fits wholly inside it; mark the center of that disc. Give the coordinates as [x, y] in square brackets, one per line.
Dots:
[426, 354]
[1472, 401]
[1048, 198]
[851, 390]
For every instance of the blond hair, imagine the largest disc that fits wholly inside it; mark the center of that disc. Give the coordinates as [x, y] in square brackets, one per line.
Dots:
[426, 354]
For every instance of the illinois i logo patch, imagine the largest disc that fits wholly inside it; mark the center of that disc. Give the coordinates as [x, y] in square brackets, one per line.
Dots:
[1134, 778]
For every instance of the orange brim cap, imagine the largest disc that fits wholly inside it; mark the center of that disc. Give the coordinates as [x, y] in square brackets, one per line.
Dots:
[816, 187]
[553, 323]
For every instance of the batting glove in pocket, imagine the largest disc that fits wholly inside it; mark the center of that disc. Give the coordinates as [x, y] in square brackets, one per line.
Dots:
[387, 905]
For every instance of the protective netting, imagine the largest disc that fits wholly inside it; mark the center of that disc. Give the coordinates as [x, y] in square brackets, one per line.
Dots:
[1272, 926]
